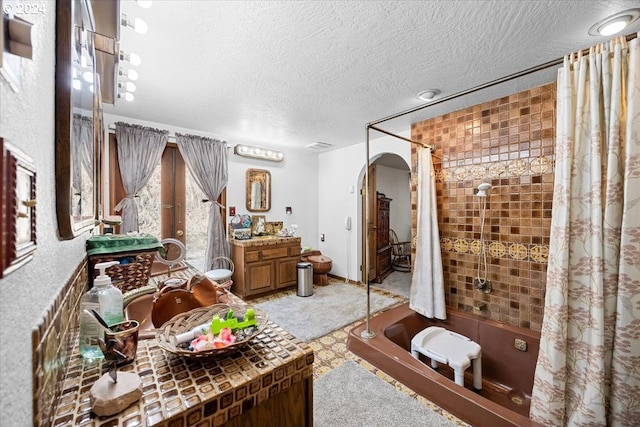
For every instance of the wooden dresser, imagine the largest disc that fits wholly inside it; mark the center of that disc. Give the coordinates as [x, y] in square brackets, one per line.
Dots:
[383, 244]
[264, 265]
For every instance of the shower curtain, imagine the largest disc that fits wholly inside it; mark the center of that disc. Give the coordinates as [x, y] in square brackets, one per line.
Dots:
[427, 282]
[588, 370]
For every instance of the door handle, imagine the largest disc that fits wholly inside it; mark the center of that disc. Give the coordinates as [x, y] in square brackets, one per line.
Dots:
[179, 233]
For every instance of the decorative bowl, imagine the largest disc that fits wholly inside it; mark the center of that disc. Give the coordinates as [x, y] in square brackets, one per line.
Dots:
[185, 322]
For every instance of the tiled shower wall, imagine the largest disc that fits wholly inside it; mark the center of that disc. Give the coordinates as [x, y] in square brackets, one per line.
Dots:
[509, 143]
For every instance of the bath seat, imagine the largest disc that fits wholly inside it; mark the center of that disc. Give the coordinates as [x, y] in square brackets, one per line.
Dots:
[455, 350]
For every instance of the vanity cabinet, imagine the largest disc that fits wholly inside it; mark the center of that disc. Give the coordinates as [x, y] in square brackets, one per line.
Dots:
[264, 265]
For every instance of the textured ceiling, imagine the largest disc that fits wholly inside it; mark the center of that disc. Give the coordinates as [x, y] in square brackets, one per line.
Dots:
[296, 72]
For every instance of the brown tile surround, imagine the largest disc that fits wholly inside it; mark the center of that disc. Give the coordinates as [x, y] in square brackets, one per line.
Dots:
[508, 142]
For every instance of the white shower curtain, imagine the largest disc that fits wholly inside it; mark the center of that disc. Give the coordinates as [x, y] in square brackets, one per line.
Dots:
[427, 282]
[588, 369]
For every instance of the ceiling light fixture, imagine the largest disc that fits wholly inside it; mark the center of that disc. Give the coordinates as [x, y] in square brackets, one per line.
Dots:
[428, 95]
[615, 23]
[137, 24]
[258, 153]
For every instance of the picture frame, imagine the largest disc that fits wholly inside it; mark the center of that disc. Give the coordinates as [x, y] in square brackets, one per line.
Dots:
[18, 198]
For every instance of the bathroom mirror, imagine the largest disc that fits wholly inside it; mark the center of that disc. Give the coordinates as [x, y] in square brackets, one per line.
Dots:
[77, 128]
[258, 193]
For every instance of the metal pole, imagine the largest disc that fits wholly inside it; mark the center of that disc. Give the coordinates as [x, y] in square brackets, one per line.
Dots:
[534, 69]
[368, 333]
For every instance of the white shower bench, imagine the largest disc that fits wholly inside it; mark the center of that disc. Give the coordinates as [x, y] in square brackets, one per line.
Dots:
[455, 350]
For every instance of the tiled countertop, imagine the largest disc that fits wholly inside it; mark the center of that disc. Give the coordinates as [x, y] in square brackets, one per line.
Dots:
[264, 241]
[181, 391]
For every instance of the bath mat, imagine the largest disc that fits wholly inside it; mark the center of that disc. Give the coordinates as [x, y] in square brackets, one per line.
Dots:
[398, 282]
[329, 308]
[351, 396]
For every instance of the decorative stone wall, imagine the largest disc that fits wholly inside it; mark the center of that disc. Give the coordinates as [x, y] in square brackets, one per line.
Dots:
[509, 143]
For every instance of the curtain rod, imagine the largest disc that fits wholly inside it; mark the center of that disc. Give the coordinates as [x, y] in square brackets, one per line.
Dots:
[171, 137]
[486, 85]
[429, 146]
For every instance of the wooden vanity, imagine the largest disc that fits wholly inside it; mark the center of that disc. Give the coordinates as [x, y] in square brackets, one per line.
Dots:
[264, 264]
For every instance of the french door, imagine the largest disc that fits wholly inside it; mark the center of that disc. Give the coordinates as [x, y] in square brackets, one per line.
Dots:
[171, 204]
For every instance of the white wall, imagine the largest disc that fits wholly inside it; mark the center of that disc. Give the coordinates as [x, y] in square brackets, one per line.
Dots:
[340, 171]
[294, 181]
[396, 185]
[27, 121]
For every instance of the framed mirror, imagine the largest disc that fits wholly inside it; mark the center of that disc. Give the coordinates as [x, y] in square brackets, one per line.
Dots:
[77, 128]
[258, 191]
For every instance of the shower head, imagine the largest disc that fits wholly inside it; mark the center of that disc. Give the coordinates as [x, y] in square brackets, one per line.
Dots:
[482, 189]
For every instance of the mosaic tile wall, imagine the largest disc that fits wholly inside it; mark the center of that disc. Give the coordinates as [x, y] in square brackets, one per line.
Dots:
[52, 341]
[509, 143]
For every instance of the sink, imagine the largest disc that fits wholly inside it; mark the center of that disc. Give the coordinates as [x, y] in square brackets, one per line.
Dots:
[140, 309]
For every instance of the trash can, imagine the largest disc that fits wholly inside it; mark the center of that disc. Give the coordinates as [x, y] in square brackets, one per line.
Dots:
[305, 279]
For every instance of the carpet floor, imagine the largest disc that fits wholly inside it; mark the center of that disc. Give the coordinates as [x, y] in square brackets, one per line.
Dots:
[344, 397]
[329, 308]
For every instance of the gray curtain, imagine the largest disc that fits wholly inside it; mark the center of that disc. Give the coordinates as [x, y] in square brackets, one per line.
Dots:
[139, 152]
[206, 159]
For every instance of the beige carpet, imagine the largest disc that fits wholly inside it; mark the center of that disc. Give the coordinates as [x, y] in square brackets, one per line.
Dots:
[329, 308]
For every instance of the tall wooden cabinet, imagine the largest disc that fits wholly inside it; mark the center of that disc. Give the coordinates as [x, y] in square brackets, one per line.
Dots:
[383, 245]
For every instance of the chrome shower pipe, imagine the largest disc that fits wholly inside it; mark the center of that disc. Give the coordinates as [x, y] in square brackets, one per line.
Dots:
[367, 333]
[534, 69]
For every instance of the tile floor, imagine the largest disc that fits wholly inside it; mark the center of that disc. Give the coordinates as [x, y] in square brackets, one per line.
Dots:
[331, 350]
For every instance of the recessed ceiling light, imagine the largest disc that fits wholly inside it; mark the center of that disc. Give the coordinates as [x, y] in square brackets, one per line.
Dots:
[428, 95]
[615, 23]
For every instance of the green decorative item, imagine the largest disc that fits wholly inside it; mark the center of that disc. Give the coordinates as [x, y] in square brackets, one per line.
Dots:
[233, 323]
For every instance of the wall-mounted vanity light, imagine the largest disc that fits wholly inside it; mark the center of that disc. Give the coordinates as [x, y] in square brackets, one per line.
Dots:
[138, 25]
[259, 153]
[130, 57]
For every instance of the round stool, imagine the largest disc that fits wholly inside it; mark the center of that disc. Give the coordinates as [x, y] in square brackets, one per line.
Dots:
[321, 266]
[221, 275]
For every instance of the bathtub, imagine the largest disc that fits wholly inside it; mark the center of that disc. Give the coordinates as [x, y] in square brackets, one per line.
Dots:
[507, 372]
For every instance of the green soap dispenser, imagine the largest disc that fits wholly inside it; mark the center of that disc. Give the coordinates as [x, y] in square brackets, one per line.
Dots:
[105, 299]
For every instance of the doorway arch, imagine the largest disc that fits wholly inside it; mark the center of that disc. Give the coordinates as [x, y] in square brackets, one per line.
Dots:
[392, 174]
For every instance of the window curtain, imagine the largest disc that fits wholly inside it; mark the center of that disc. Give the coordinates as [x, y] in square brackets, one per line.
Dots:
[588, 369]
[427, 281]
[206, 159]
[139, 152]
[82, 146]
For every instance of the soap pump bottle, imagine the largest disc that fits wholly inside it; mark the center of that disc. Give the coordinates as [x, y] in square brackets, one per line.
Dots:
[106, 300]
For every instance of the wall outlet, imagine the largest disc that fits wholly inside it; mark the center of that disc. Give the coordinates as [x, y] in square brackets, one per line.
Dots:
[232, 211]
[520, 344]
[322, 237]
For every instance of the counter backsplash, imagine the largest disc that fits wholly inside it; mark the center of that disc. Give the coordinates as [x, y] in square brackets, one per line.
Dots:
[52, 342]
